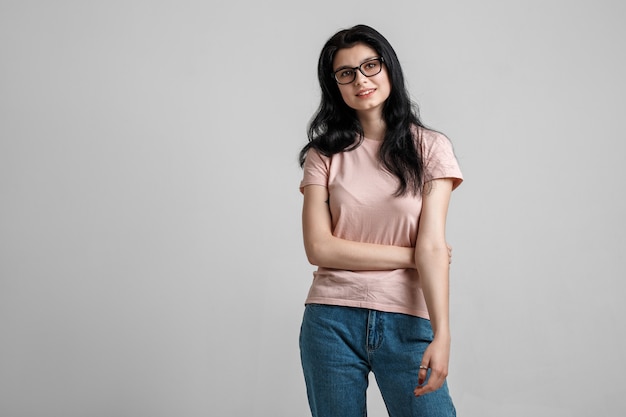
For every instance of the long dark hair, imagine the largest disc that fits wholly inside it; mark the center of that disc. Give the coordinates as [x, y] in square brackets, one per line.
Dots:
[334, 126]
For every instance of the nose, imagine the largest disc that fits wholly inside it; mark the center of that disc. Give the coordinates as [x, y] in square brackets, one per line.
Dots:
[359, 78]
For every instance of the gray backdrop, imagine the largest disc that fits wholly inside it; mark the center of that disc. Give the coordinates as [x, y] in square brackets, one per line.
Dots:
[151, 259]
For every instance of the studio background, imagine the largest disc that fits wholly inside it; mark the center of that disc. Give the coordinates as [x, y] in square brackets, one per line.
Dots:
[151, 257]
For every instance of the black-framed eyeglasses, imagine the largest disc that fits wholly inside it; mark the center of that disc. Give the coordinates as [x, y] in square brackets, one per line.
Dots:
[369, 68]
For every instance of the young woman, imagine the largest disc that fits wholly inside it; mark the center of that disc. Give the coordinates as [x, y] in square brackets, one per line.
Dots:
[376, 187]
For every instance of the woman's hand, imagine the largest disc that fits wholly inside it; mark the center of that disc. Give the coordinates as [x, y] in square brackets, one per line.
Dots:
[436, 358]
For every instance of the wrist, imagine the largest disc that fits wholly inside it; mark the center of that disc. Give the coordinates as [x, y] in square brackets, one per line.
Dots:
[410, 258]
[442, 334]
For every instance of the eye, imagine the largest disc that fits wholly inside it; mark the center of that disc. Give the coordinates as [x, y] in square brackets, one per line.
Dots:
[345, 74]
[372, 66]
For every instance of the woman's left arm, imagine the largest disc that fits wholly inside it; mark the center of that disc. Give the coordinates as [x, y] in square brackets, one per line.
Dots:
[432, 262]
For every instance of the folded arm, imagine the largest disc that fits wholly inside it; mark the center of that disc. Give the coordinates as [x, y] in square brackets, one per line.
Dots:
[325, 250]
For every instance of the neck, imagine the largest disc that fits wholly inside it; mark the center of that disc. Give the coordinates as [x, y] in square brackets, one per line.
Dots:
[373, 128]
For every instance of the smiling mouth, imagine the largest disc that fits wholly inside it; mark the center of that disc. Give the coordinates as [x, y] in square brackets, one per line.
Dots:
[366, 92]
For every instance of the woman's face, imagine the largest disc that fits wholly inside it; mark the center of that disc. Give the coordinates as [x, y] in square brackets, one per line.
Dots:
[366, 95]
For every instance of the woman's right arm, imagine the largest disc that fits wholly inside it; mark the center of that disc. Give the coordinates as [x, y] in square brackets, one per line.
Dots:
[325, 250]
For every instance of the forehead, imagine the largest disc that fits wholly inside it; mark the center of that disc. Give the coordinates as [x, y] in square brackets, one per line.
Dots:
[353, 56]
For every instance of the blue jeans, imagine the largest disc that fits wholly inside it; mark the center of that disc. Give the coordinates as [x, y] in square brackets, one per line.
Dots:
[340, 346]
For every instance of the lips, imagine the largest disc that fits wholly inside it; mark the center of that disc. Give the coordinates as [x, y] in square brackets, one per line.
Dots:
[365, 93]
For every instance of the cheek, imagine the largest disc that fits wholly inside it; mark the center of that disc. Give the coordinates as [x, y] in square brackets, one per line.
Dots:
[386, 90]
[388, 93]
[344, 95]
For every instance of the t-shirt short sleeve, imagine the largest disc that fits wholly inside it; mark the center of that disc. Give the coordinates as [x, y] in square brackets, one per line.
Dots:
[439, 158]
[316, 168]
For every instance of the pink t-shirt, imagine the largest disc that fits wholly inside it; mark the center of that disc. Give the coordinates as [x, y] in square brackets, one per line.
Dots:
[364, 209]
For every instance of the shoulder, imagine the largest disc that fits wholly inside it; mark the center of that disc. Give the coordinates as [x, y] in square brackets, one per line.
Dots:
[438, 156]
[428, 138]
[314, 156]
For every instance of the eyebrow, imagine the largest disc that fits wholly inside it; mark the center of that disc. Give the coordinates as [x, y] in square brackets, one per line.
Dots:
[362, 62]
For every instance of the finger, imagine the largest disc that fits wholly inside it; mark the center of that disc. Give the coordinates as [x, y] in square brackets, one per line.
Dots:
[424, 389]
[435, 381]
[422, 374]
